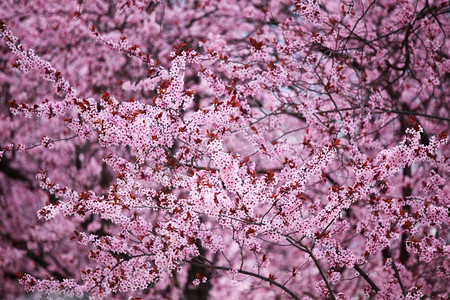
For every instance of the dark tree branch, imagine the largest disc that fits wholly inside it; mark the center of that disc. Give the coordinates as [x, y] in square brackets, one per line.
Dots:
[397, 274]
[367, 278]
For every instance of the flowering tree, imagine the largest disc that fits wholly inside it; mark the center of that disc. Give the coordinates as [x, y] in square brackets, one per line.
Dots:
[206, 149]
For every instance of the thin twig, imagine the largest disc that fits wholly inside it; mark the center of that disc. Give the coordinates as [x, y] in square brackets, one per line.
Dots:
[316, 262]
[404, 112]
[241, 271]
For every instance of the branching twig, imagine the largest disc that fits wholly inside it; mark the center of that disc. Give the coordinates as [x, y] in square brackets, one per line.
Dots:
[316, 262]
[241, 271]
